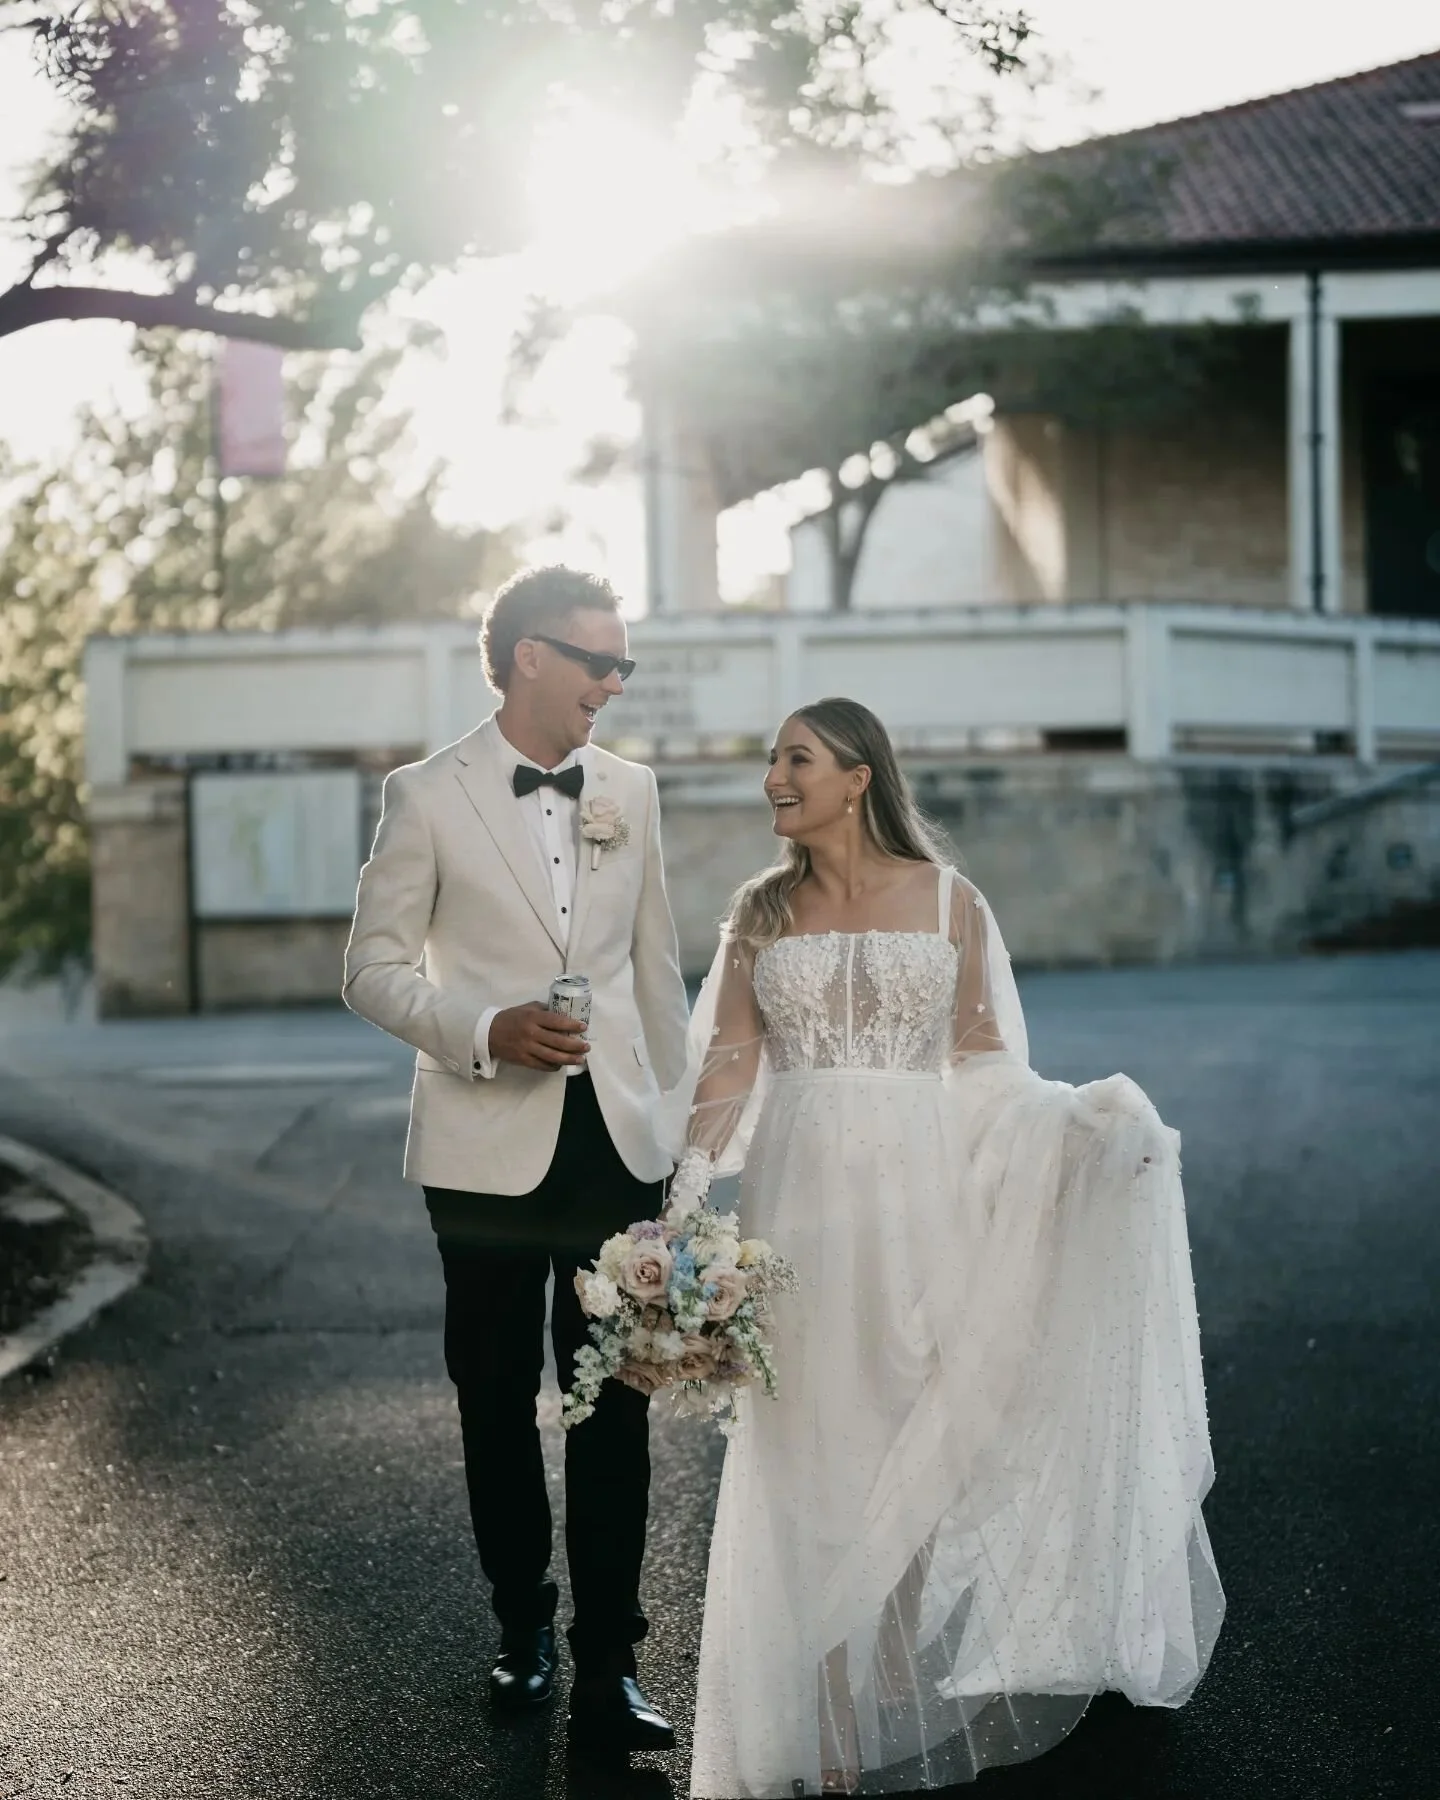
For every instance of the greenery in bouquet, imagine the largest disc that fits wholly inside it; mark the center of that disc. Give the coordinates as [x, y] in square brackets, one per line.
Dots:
[679, 1302]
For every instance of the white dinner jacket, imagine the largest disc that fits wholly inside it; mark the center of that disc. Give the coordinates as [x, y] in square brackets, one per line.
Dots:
[455, 914]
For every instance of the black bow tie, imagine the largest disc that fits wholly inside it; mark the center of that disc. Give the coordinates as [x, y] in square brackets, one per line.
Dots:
[569, 781]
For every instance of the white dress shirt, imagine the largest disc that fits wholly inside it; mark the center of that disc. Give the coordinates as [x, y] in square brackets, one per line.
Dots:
[552, 820]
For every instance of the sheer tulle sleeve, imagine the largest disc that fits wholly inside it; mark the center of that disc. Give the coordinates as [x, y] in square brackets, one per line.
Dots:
[706, 1121]
[728, 1059]
[988, 1016]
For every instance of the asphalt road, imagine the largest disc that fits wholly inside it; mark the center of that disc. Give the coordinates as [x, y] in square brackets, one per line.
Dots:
[234, 1554]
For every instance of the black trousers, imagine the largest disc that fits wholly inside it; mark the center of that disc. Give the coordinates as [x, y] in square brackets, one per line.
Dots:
[498, 1251]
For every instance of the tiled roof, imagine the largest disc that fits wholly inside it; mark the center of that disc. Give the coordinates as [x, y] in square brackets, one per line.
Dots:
[1355, 160]
[1346, 171]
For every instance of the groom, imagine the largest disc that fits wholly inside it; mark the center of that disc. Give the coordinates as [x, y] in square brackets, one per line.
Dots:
[517, 854]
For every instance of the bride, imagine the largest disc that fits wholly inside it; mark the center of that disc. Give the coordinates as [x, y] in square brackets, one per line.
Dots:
[976, 1502]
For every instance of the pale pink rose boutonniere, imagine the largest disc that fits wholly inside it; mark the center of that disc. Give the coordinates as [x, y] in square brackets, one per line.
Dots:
[603, 826]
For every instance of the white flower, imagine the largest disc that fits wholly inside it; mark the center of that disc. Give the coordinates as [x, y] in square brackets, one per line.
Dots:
[668, 1346]
[600, 818]
[603, 826]
[612, 1255]
[599, 1295]
[717, 1234]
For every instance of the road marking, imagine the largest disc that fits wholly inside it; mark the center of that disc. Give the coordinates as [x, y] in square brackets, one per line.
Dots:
[119, 1248]
[263, 1074]
[381, 1106]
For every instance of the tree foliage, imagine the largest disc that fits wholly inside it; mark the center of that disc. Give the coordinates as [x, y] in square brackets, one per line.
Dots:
[293, 161]
[119, 535]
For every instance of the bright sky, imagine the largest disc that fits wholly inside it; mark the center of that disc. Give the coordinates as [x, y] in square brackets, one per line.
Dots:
[1146, 61]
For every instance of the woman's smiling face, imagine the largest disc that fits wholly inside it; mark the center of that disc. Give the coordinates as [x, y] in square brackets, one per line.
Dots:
[807, 789]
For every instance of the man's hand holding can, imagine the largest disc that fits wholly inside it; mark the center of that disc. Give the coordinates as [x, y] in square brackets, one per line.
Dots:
[542, 1037]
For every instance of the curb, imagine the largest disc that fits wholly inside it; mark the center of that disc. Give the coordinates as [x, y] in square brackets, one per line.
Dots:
[116, 1264]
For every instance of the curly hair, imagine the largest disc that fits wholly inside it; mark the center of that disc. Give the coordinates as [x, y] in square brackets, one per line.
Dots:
[536, 601]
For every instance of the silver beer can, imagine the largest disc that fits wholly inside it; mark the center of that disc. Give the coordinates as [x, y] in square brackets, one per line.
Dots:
[570, 994]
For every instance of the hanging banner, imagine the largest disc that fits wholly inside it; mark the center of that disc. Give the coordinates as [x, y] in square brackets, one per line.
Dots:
[250, 399]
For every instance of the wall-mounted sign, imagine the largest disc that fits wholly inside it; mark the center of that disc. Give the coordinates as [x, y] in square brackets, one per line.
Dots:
[279, 846]
[668, 693]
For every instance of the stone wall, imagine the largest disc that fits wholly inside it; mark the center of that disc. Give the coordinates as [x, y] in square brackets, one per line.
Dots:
[1365, 866]
[1085, 860]
[272, 962]
[139, 899]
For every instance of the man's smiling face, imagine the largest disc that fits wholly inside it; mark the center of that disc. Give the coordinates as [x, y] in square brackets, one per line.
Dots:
[566, 698]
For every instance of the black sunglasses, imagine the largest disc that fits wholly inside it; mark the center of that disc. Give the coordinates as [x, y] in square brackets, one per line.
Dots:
[597, 662]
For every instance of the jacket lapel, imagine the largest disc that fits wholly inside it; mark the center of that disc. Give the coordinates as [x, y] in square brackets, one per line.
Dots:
[480, 776]
[596, 780]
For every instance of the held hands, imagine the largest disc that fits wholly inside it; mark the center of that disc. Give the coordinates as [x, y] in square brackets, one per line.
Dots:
[536, 1038]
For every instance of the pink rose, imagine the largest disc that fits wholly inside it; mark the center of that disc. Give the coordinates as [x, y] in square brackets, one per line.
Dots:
[645, 1270]
[697, 1359]
[730, 1288]
[645, 1378]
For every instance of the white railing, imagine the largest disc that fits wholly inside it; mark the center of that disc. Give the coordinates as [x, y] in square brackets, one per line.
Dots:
[1158, 681]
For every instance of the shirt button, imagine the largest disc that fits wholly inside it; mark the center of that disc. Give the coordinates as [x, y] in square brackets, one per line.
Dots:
[557, 861]
[564, 910]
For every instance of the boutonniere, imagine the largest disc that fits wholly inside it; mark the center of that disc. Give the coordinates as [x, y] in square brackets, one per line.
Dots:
[603, 826]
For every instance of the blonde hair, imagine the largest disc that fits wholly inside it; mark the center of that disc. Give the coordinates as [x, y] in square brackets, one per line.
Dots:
[762, 908]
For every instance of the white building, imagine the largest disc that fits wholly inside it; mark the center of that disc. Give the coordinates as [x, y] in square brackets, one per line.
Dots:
[1307, 476]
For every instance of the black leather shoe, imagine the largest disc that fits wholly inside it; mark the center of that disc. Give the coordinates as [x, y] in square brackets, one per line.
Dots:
[610, 1713]
[524, 1675]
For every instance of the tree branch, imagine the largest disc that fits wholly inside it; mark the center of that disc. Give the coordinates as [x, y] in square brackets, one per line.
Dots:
[998, 36]
[23, 306]
[50, 251]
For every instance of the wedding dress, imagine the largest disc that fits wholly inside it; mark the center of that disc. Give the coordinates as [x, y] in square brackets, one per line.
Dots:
[975, 1502]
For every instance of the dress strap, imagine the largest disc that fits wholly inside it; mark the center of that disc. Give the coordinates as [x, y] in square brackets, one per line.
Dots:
[946, 887]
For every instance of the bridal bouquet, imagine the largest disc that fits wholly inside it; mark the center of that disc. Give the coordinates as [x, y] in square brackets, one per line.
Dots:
[679, 1302]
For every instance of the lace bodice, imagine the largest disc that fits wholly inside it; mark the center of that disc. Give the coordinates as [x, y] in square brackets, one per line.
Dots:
[864, 1000]
[900, 1000]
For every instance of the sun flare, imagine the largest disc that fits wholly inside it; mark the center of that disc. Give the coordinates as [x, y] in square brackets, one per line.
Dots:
[607, 197]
